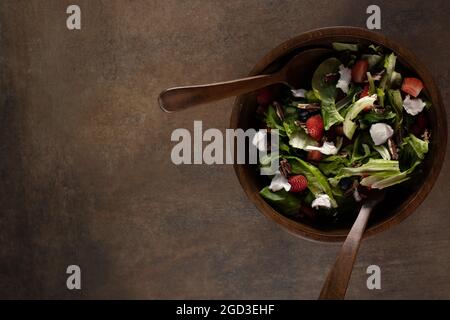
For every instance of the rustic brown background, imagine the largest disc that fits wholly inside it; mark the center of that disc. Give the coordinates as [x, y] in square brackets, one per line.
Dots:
[85, 170]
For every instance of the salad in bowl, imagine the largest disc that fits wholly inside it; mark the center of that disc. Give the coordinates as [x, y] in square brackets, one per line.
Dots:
[361, 124]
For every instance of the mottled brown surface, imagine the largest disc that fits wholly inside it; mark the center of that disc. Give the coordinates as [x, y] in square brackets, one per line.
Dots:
[85, 169]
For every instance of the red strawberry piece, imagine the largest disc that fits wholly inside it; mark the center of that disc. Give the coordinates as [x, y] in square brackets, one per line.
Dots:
[298, 183]
[364, 92]
[412, 86]
[314, 126]
[359, 71]
[314, 156]
[264, 96]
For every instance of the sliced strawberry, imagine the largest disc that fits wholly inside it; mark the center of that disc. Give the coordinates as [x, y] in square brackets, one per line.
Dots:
[314, 127]
[264, 97]
[298, 183]
[314, 156]
[412, 86]
[364, 92]
[359, 71]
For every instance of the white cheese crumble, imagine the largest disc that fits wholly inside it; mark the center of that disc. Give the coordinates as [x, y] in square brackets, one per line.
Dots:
[413, 106]
[380, 132]
[327, 148]
[260, 140]
[299, 93]
[323, 201]
[344, 79]
[279, 182]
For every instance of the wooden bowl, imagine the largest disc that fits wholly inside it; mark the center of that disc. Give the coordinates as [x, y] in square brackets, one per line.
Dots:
[400, 201]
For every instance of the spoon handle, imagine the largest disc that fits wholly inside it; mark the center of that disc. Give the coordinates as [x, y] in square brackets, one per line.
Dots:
[180, 98]
[336, 284]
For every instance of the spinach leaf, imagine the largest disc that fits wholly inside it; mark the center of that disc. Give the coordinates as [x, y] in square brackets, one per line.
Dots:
[282, 200]
[331, 165]
[324, 89]
[374, 117]
[273, 121]
[317, 182]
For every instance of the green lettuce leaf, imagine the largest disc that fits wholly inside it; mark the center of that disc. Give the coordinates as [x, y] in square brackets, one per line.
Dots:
[396, 79]
[389, 65]
[373, 165]
[348, 100]
[357, 156]
[372, 59]
[352, 113]
[372, 88]
[300, 140]
[380, 95]
[325, 90]
[412, 151]
[395, 100]
[273, 121]
[374, 117]
[340, 46]
[383, 151]
[384, 180]
[376, 49]
[311, 96]
[330, 115]
[284, 201]
[317, 182]
[419, 146]
[331, 165]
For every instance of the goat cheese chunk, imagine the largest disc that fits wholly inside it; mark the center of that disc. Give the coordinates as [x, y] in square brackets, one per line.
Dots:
[413, 106]
[299, 93]
[260, 140]
[344, 79]
[327, 148]
[322, 201]
[380, 132]
[279, 182]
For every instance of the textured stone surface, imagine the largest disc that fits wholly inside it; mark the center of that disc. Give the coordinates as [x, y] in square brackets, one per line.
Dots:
[85, 167]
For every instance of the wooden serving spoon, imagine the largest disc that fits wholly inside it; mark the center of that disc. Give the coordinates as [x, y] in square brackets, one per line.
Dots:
[180, 98]
[336, 284]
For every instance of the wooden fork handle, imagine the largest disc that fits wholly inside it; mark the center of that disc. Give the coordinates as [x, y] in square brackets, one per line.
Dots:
[180, 98]
[336, 284]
